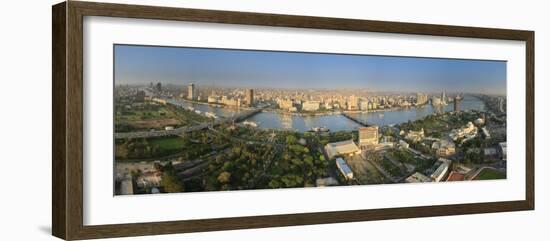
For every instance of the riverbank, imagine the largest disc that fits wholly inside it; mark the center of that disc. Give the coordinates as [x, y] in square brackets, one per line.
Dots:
[217, 105]
[272, 118]
[328, 113]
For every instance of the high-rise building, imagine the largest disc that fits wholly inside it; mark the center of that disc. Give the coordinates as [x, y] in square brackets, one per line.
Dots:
[352, 103]
[250, 97]
[364, 105]
[159, 87]
[191, 91]
[285, 104]
[457, 104]
[436, 101]
[368, 135]
[310, 105]
[421, 99]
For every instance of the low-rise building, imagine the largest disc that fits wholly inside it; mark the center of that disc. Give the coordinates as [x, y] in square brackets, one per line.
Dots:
[403, 144]
[455, 176]
[342, 148]
[469, 131]
[344, 168]
[159, 100]
[149, 179]
[441, 171]
[444, 148]
[328, 181]
[415, 136]
[461, 168]
[417, 177]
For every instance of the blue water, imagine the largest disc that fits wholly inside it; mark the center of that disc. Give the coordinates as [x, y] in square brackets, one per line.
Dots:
[403, 115]
[272, 120]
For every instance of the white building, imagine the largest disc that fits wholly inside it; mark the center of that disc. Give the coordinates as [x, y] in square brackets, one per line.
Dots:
[403, 144]
[469, 131]
[344, 168]
[310, 105]
[342, 148]
[441, 171]
[415, 136]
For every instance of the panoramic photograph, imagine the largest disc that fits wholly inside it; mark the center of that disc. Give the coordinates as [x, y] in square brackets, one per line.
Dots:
[192, 119]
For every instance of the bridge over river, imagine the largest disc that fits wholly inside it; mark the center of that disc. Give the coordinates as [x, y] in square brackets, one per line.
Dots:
[358, 121]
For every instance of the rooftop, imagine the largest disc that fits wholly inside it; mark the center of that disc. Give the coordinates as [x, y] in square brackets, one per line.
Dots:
[343, 166]
[342, 147]
[417, 177]
[455, 176]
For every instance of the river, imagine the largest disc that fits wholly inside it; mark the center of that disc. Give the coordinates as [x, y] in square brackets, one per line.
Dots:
[336, 122]
[399, 116]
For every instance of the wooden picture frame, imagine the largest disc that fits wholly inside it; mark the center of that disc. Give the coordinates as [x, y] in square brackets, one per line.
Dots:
[67, 152]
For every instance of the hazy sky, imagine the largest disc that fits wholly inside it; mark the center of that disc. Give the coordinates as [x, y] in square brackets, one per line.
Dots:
[248, 68]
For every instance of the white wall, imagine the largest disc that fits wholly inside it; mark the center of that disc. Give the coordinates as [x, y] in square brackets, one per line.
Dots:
[25, 81]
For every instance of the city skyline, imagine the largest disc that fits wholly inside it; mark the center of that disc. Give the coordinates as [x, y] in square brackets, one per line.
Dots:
[297, 70]
[200, 120]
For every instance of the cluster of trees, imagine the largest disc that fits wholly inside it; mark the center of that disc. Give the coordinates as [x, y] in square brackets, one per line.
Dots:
[300, 165]
[170, 182]
[137, 149]
[144, 148]
[392, 169]
[473, 155]
[239, 168]
[422, 147]
[338, 136]
[296, 163]
[436, 125]
[406, 157]
[472, 150]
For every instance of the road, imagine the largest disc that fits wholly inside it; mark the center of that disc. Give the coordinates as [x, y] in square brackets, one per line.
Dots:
[186, 129]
